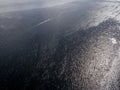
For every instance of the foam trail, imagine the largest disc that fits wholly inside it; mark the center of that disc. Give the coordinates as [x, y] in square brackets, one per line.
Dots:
[43, 22]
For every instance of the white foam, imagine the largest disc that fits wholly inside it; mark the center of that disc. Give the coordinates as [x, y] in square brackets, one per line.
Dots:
[43, 22]
[113, 40]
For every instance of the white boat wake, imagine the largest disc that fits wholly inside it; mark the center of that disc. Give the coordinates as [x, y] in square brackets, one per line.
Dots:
[43, 22]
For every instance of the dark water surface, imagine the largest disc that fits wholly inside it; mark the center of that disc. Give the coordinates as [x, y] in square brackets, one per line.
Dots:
[49, 49]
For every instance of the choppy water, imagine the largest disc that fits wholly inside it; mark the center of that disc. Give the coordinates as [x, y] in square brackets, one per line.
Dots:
[71, 47]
